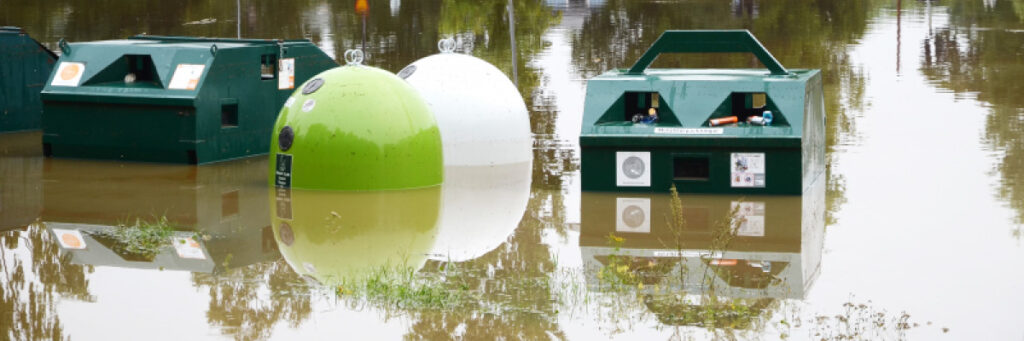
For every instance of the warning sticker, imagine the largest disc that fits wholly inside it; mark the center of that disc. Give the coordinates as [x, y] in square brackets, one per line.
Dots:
[188, 248]
[186, 76]
[750, 218]
[747, 170]
[68, 74]
[70, 239]
[286, 74]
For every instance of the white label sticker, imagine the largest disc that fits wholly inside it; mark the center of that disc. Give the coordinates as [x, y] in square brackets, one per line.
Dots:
[68, 74]
[286, 74]
[188, 248]
[633, 169]
[186, 76]
[634, 215]
[308, 105]
[750, 218]
[689, 131]
[289, 102]
[70, 239]
[747, 170]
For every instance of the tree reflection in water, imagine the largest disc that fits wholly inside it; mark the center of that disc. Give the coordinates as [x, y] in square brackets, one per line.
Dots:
[980, 53]
[36, 278]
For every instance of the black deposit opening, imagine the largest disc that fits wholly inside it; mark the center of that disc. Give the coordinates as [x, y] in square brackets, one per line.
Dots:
[228, 115]
[690, 168]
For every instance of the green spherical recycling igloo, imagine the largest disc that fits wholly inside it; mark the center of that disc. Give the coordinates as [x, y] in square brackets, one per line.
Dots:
[356, 127]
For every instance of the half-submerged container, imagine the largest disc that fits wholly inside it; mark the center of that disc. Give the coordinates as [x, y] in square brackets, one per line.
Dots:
[24, 66]
[172, 99]
[647, 129]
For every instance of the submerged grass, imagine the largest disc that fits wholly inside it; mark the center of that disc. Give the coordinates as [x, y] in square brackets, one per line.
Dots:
[399, 287]
[143, 238]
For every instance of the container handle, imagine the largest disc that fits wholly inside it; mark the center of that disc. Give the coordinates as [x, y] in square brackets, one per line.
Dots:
[65, 49]
[701, 41]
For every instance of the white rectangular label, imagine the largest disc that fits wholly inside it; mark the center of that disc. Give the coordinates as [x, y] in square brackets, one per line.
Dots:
[68, 74]
[634, 215]
[186, 76]
[750, 216]
[689, 131]
[70, 239]
[633, 169]
[286, 74]
[747, 170]
[188, 248]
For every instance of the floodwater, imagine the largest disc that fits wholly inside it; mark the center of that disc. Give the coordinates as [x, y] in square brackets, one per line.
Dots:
[914, 233]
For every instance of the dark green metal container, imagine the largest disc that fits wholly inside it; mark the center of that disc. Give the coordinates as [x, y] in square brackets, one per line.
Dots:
[172, 99]
[684, 147]
[24, 67]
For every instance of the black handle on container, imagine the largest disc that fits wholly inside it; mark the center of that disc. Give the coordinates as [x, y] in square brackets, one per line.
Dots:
[703, 41]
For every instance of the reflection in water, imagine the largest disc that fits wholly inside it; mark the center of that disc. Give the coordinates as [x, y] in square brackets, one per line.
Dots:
[482, 207]
[980, 53]
[974, 55]
[223, 202]
[36, 276]
[331, 236]
[20, 179]
[775, 253]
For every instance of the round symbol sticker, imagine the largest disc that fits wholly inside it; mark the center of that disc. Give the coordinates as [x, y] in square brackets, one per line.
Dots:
[308, 105]
[633, 216]
[70, 72]
[633, 167]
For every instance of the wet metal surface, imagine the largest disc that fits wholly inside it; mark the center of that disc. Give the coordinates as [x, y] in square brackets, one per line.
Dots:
[920, 211]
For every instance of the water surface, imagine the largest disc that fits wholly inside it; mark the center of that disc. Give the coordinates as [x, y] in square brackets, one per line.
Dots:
[920, 211]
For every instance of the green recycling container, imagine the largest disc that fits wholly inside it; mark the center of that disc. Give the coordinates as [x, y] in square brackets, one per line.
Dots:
[745, 131]
[172, 99]
[24, 67]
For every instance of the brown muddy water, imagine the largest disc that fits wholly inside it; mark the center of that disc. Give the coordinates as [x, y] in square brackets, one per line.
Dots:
[915, 233]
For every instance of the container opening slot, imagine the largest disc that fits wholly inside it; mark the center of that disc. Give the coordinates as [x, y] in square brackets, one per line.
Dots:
[744, 106]
[229, 115]
[640, 107]
[131, 70]
[268, 66]
[690, 168]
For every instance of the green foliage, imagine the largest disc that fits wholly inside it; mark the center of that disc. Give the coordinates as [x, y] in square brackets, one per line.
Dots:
[143, 239]
[401, 288]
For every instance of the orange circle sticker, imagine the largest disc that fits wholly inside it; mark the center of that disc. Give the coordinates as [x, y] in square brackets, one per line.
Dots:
[71, 241]
[70, 72]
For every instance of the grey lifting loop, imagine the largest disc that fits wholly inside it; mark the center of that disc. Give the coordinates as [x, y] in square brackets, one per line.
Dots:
[354, 57]
[446, 45]
[65, 49]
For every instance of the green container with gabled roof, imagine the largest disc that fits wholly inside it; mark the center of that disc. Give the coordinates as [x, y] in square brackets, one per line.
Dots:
[683, 147]
[24, 66]
[172, 99]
